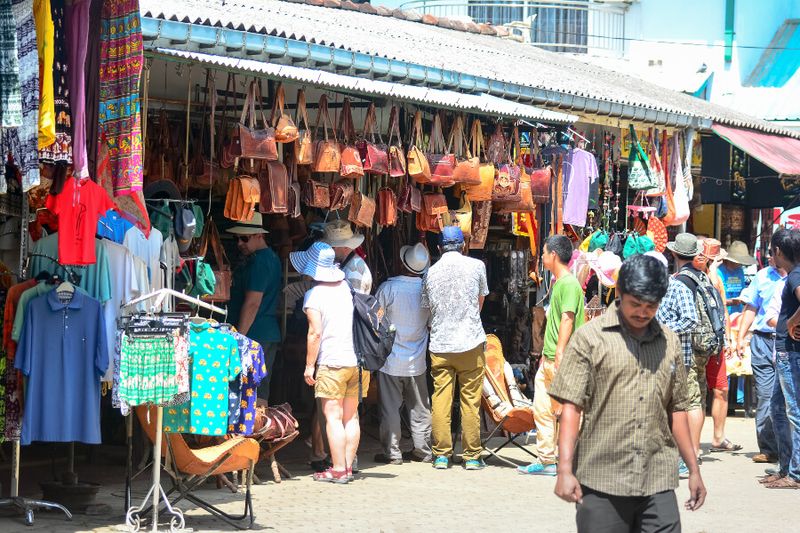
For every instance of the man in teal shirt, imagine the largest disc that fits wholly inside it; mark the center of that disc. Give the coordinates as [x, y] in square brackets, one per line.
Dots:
[255, 289]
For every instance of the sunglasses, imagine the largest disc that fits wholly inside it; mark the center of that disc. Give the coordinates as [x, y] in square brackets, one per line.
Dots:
[243, 238]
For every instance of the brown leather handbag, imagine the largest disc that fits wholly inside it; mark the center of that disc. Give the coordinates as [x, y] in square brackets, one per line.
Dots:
[496, 149]
[373, 152]
[387, 207]
[202, 170]
[362, 210]
[226, 156]
[486, 171]
[481, 215]
[240, 201]
[304, 145]
[461, 217]
[397, 158]
[426, 222]
[255, 143]
[416, 162]
[221, 266]
[350, 166]
[409, 197]
[285, 128]
[293, 196]
[316, 194]
[341, 194]
[434, 203]
[541, 185]
[274, 183]
[508, 179]
[327, 155]
[467, 169]
[440, 156]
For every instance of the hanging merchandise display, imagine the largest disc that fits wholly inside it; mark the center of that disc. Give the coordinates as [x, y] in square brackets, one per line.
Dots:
[417, 163]
[250, 141]
[285, 128]
[676, 198]
[640, 175]
[371, 148]
[61, 147]
[482, 191]
[441, 160]
[397, 158]
[350, 165]
[304, 146]
[467, 170]
[327, 154]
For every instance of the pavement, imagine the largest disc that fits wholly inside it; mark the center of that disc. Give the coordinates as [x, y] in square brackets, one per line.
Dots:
[415, 497]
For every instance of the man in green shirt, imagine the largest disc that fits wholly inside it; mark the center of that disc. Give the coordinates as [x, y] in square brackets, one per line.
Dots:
[255, 289]
[564, 316]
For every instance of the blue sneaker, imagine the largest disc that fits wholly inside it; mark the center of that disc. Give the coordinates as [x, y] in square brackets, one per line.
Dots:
[538, 469]
[474, 464]
[683, 470]
[441, 463]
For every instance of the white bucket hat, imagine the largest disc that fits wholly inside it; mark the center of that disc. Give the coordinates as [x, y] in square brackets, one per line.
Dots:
[415, 258]
[339, 234]
[318, 262]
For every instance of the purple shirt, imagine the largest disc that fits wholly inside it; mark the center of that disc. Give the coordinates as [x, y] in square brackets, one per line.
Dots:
[580, 170]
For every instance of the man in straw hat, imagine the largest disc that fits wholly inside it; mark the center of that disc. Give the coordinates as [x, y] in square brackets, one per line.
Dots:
[255, 288]
[331, 363]
[403, 379]
[339, 236]
[731, 272]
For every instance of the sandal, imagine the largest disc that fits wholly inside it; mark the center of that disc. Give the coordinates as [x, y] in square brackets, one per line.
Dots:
[770, 478]
[332, 476]
[783, 483]
[726, 446]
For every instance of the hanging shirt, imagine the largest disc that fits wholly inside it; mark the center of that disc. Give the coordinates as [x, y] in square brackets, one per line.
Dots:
[63, 353]
[261, 272]
[254, 369]
[580, 170]
[25, 298]
[113, 227]
[95, 279]
[78, 207]
[148, 249]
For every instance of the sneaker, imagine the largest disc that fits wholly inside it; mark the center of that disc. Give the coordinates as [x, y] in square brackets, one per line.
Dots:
[382, 458]
[474, 464]
[683, 470]
[441, 463]
[538, 469]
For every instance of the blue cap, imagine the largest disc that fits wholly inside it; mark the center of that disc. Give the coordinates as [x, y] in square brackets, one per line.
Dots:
[452, 235]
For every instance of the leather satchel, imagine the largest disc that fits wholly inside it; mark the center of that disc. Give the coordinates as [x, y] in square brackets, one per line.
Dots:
[341, 194]
[350, 166]
[467, 169]
[304, 145]
[387, 207]
[285, 128]
[221, 266]
[440, 158]
[240, 201]
[496, 151]
[362, 210]
[434, 203]
[327, 155]
[316, 194]
[541, 185]
[482, 191]
[374, 156]
[274, 183]
[409, 198]
[416, 162]
[481, 216]
[397, 159]
[426, 222]
[255, 143]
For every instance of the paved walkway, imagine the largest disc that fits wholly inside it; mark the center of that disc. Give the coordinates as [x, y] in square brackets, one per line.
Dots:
[414, 497]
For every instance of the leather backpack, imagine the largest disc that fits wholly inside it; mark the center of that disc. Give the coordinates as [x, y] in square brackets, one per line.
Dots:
[362, 210]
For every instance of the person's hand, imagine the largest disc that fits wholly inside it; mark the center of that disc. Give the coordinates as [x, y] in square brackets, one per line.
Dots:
[697, 492]
[308, 375]
[568, 488]
[740, 347]
[792, 325]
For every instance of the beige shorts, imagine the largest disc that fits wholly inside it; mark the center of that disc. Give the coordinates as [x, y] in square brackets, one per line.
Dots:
[340, 382]
[696, 383]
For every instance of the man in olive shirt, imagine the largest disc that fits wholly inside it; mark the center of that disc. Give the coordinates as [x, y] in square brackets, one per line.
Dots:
[624, 373]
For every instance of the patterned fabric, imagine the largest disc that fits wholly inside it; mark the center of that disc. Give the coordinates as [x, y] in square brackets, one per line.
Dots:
[251, 377]
[147, 370]
[627, 387]
[61, 148]
[678, 312]
[451, 289]
[10, 99]
[13, 392]
[3, 294]
[121, 61]
[22, 142]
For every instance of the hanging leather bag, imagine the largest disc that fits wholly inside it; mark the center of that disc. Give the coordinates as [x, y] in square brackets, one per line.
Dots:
[316, 194]
[467, 170]
[387, 207]
[461, 217]
[285, 128]
[410, 198]
[507, 181]
[255, 143]
[434, 203]
[440, 158]
[304, 145]
[362, 210]
[293, 193]
[226, 156]
[416, 162]
[341, 194]
[350, 166]
[481, 216]
[486, 171]
[541, 185]
[525, 202]
[327, 155]
[220, 266]
[240, 201]
[373, 152]
[496, 150]
[396, 156]
[273, 181]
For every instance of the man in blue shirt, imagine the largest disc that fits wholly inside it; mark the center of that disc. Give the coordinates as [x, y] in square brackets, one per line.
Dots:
[255, 289]
[731, 272]
[756, 298]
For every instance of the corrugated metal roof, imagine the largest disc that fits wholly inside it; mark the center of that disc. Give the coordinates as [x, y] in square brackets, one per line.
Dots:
[423, 44]
[475, 103]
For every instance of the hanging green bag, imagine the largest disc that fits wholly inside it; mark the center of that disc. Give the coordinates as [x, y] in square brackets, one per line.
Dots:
[640, 176]
[204, 281]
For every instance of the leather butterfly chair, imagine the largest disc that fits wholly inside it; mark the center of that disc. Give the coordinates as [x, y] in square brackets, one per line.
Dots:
[516, 422]
[189, 468]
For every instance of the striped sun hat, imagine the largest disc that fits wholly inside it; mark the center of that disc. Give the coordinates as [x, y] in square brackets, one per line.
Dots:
[318, 262]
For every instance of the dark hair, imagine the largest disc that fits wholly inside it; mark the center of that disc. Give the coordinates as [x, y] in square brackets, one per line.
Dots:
[788, 240]
[452, 247]
[643, 277]
[561, 245]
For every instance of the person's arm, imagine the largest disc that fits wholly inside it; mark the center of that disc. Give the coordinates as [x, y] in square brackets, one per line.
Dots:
[746, 320]
[313, 340]
[679, 422]
[794, 321]
[481, 299]
[483, 289]
[252, 301]
[568, 488]
[564, 333]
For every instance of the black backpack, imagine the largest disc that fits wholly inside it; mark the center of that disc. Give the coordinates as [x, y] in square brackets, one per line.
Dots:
[708, 338]
[373, 334]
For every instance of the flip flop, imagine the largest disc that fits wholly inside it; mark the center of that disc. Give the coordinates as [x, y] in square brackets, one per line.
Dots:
[784, 483]
[726, 446]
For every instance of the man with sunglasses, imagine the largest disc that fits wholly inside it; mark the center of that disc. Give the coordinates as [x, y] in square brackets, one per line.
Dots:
[255, 289]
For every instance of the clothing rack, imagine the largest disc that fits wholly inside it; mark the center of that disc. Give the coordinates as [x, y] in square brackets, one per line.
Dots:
[156, 494]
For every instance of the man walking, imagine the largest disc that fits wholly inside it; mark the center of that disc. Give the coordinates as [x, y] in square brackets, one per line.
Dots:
[453, 290]
[403, 379]
[564, 316]
[623, 372]
[756, 298]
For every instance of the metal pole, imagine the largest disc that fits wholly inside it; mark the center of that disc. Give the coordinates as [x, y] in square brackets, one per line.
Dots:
[157, 467]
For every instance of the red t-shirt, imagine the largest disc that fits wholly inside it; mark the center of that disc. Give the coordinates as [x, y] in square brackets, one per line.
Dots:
[78, 207]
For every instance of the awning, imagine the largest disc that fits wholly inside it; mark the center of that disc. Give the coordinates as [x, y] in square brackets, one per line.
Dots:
[476, 103]
[781, 154]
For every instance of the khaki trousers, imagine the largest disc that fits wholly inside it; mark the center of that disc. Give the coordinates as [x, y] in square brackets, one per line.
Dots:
[544, 411]
[468, 367]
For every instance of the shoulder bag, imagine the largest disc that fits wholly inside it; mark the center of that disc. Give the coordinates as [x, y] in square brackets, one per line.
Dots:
[373, 153]
[293, 196]
[327, 155]
[362, 210]
[255, 143]
[316, 194]
[640, 176]
[434, 203]
[397, 159]
[240, 201]
[273, 180]
[416, 162]
[221, 266]
[285, 128]
[496, 150]
[351, 166]
[341, 194]
[482, 191]
[468, 167]
[461, 217]
[304, 145]
[440, 159]
[656, 168]
[226, 156]
[508, 180]
[387, 207]
[203, 170]
[410, 198]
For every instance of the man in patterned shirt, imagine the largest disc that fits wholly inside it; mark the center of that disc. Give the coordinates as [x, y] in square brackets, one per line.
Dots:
[622, 372]
[678, 312]
[454, 289]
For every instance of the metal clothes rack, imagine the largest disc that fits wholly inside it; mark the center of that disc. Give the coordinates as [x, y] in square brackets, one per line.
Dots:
[156, 494]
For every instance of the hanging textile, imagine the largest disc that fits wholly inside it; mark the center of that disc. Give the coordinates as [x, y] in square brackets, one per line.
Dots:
[61, 148]
[13, 392]
[121, 61]
[241, 417]
[77, 26]
[10, 98]
[43, 18]
[3, 365]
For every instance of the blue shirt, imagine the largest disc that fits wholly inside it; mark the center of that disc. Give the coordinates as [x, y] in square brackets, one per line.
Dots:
[733, 281]
[113, 227]
[261, 272]
[62, 352]
[758, 295]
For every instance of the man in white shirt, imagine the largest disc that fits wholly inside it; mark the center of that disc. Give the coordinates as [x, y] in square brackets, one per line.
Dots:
[403, 379]
[339, 236]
